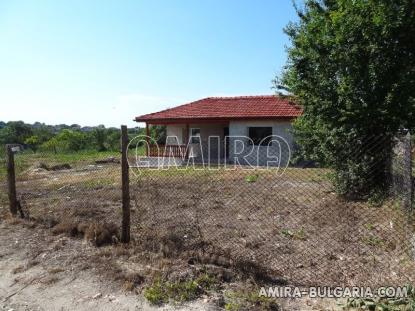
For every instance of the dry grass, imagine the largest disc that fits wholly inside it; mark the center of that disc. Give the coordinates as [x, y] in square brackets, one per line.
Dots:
[128, 286]
[25, 267]
[94, 232]
[55, 270]
[282, 228]
[48, 280]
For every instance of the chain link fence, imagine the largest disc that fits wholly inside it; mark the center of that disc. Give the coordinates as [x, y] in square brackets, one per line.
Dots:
[285, 225]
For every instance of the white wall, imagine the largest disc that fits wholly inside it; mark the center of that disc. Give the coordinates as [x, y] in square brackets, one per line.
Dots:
[206, 130]
[261, 155]
[175, 130]
[214, 130]
[253, 155]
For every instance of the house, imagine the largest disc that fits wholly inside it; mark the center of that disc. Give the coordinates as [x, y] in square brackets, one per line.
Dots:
[249, 130]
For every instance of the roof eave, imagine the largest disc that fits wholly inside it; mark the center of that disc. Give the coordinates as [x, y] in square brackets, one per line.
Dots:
[216, 119]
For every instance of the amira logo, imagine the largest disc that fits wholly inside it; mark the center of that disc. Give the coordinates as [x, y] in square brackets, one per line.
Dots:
[233, 152]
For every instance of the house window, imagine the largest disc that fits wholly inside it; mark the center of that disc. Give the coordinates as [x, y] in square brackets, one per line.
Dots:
[195, 135]
[260, 135]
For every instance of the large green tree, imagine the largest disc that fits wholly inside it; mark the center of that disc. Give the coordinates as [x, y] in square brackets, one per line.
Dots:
[351, 65]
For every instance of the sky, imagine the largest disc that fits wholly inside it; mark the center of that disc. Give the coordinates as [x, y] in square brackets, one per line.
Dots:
[104, 62]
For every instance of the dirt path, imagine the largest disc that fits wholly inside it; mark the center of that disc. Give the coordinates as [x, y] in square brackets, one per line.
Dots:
[30, 279]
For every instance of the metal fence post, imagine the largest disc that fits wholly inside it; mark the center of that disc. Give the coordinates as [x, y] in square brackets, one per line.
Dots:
[125, 232]
[410, 178]
[11, 180]
[407, 172]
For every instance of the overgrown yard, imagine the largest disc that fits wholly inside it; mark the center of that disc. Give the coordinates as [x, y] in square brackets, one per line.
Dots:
[225, 229]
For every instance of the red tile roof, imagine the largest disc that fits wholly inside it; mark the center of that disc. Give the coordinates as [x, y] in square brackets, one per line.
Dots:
[228, 108]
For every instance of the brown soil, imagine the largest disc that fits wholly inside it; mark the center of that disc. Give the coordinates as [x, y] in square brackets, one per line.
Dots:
[293, 226]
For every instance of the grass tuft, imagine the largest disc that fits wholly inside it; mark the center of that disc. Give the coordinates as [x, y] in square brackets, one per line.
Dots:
[161, 292]
[251, 178]
[249, 300]
[296, 235]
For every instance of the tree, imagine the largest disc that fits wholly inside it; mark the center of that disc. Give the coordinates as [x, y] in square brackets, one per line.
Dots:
[43, 132]
[71, 140]
[51, 144]
[100, 136]
[351, 66]
[113, 139]
[158, 133]
[15, 132]
[33, 142]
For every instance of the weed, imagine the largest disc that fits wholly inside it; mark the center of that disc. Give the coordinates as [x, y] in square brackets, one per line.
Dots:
[406, 303]
[396, 205]
[373, 241]
[287, 233]
[296, 235]
[370, 226]
[98, 183]
[251, 178]
[376, 198]
[162, 291]
[156, 293]
[248, 300]
[128, 286]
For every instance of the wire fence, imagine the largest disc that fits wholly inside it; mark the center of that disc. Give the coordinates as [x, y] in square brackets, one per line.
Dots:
[285, 225]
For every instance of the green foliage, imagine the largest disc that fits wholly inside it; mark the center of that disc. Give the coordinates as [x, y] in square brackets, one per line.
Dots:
[156, 293]
[44, 132]
[113, 140]
[103, 139]
[100, 136]
[383, 304]
[33, 142]
[248, 300]
[158, 133]
[370, 226]
[376, 198]
[15, 133]
[71, 140]
[296, 235]
[162, 291]
[373, 241]
[65, 138]
[100, 139]
[251, 178]
[351, 66]
[51, 145]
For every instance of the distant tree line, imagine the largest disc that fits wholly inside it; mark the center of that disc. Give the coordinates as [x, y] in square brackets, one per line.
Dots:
[69, 138]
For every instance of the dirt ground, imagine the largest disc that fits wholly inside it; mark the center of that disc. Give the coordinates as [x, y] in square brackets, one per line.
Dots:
[40, 272]
[245, 226]
[43, 272]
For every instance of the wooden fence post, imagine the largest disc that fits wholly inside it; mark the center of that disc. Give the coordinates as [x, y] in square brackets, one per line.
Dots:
[125, 180]
[11, 180]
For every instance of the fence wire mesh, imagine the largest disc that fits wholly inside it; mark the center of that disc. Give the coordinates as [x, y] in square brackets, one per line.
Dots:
[285, 225]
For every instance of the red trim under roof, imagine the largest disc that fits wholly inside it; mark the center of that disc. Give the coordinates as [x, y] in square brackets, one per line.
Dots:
[227, 108]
